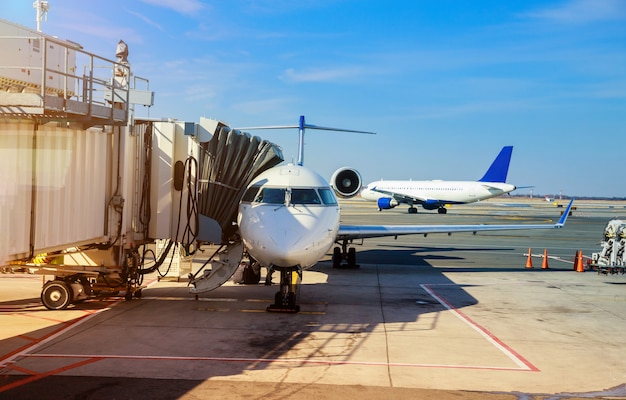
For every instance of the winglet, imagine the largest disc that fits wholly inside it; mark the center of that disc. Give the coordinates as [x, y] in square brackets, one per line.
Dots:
[499, 168]
[563, 218]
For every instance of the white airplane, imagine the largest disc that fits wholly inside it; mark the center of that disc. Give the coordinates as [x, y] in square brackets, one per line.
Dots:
[288, 219]
[436, 194]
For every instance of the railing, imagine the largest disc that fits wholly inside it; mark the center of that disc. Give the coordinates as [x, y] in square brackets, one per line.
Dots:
[44, 66]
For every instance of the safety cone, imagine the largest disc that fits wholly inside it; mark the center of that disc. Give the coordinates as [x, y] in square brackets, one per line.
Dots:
[575, 261]
[579, 265]
[544, 264]
[529, 260]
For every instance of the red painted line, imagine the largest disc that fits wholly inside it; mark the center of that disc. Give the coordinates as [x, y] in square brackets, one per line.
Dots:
[34, 342]
[32, 339]
[499, 343]
[58, 321]
[22, 370]
[37, 377]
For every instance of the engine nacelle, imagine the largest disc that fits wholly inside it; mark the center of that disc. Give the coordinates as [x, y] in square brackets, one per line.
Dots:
[386, 203]
[431, 204]
[346, 182]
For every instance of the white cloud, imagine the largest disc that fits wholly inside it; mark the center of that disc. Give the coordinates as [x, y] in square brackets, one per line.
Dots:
[180, 6]
[331, 74]
[583, 11]
[145, 19]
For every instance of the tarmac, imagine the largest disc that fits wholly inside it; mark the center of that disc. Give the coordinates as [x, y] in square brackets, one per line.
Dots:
[441, 316]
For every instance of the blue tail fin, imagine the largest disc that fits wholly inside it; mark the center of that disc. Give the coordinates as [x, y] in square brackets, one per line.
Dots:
[499, 167]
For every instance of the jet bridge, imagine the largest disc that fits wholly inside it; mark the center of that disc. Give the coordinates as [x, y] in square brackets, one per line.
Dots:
[229, 162]
[88, 187]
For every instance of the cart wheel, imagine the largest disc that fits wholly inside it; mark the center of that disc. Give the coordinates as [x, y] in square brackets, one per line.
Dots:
[56, 295]
[138, 293]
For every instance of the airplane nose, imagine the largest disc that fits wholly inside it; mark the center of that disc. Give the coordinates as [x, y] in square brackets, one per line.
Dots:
[285, 248]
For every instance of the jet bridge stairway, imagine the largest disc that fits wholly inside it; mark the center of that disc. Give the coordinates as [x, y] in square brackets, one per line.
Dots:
[228, 163]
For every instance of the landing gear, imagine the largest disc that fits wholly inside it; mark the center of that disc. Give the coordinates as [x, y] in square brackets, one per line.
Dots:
[442, 210]
[412, 210]
[344, 253]
[285, 298]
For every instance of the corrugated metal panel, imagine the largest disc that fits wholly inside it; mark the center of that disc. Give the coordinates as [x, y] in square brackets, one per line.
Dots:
[229, 162]
[15, 188]
[69, 196]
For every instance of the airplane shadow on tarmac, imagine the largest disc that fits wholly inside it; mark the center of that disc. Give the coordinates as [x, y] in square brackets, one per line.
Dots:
[168, 334]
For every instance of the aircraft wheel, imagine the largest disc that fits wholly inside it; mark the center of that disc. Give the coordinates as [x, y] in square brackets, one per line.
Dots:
[442, 210]
[336, 257]
[56, 295]
[412, 210]
[352, 256]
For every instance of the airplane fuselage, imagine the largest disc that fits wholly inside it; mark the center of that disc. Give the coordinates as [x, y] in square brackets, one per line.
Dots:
[445, 192]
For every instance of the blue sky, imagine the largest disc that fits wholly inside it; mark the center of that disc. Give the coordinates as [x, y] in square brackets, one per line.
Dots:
[445, 83]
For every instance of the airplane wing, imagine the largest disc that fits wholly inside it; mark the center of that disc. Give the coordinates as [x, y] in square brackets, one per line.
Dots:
[401, 197]
[348, 232]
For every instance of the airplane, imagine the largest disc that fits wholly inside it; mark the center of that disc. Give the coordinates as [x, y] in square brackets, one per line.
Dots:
[436, 194]
[289, 218]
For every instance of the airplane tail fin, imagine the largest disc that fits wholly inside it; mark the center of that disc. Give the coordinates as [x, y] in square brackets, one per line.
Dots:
[499, 168]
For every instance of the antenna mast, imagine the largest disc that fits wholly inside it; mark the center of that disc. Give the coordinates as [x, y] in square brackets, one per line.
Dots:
[42, 8]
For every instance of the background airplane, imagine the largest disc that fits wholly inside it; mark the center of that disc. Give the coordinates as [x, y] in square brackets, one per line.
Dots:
[289, 218]
[436, 194]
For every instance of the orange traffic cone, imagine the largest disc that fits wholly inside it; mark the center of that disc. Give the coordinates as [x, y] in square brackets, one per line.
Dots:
[529, 260]
[579, 265]
[544, 264]
[575, 261]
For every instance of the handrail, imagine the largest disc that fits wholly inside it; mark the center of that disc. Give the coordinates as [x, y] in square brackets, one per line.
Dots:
[62, 80]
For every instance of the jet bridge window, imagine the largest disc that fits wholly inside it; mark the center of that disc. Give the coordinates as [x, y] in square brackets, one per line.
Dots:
[304, 196]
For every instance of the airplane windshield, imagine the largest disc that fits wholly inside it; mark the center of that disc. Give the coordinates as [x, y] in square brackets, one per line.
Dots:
[249, 195]
[328, 197]
[304, 196]
[295, 196]
[271, 196]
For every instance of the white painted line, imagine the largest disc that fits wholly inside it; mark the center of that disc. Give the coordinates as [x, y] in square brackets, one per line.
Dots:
[491, 338]
[268, 360]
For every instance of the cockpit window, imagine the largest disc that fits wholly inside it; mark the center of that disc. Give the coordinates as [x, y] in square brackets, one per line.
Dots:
[295, 196]
[271, 196]
[304, 196]
[328, 197]
[248, 196]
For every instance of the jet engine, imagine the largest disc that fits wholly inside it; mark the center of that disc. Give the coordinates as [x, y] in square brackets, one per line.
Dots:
[386, 203]
[346, 182]
[431, 204]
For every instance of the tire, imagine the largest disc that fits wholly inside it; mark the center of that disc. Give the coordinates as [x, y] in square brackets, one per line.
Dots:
[56, 295]
[336, 257]
[352, 257]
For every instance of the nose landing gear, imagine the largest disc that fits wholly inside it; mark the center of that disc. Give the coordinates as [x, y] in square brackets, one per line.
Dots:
[285, 300]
